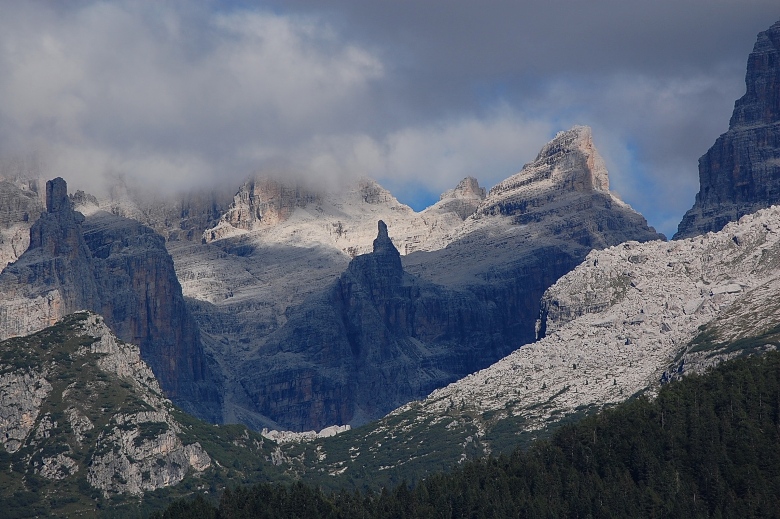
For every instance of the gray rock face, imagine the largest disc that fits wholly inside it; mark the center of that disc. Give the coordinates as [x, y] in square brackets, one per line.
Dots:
[393, 328]
[332, 348]
[116, 267]
[53, 277]
[262, 203]
[20, 206]
[375, 340]
[740, 174]
[78, 404]
[463, 200]
[141, 298]
[179, 218]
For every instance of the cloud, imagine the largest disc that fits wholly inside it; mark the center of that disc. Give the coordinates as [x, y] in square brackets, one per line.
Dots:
[186, 94]
[434, 157]
[142, 89]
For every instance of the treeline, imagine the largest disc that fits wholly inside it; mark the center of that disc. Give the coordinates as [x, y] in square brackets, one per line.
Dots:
[707, 446]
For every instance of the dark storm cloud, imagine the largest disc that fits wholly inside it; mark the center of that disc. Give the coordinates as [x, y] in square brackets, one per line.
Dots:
[418, 94]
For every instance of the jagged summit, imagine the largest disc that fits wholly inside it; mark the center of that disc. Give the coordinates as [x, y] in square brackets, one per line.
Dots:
[564, 195]
[380, 271]
[569, 162]
[271, 213]
[57, 196]
[761, 102]
[375, 338]
[462, 201]
[468, 188]
[740, 173]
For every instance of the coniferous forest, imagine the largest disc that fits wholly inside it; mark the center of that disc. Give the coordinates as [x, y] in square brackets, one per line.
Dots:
[707, 446]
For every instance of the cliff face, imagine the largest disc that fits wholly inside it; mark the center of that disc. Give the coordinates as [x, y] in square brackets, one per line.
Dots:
[79, 408]
[463, 200]
[393, 328]
[262, 203]
[564, 193]
[375, 340]
[20, 206]
[621, 323]
[141, 298]
[740, 174]
[179, 218]
[120, 269]
[54, 276]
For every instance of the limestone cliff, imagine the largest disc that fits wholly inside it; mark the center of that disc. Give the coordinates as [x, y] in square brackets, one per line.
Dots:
[307, 344]
[178, 218]
[54, 276]
[376, 339]
[121, 270]
[463, 200]
[624, 321]
[267, 212]
[20, 206]
[740, 174]
[77, 404]
[261, 203]
[565, 192]
[141, 298]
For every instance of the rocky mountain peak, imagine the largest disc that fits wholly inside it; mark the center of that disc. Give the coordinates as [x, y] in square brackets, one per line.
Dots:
[569, 162]
[260, 203]
[57, 196]
[565, 193]
[382, 243]
[761, 102]
[468, 188]
[372, 193]
[738, 174]
[462, 201]
[119, 268]
[382, 268]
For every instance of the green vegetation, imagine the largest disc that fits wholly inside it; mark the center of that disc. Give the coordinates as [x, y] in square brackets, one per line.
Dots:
[707, 446]
[238, 455]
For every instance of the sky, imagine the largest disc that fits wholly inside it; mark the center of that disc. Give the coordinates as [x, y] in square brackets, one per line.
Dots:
[181, 95]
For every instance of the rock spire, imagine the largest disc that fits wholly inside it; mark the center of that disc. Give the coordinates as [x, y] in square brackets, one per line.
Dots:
[740, 174]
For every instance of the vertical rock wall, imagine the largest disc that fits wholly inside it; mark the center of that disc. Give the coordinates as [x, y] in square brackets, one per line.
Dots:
[121, 269]
[740, 174]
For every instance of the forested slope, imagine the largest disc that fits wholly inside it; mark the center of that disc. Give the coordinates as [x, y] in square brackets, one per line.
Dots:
[707, 446]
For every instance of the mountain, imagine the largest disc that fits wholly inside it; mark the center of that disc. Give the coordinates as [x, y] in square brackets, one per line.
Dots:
[376, 339]
[269, 212]
[626, 320]
[305, 343]
[86, 431]
[705, 447]
[120, 269]
[739, 174]
[275, 284]
[181, 217]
